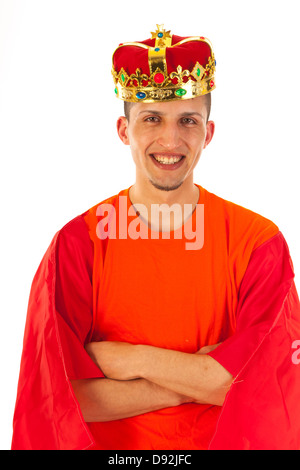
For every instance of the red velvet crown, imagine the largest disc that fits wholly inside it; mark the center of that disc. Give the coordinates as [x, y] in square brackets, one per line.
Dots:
[163, 68]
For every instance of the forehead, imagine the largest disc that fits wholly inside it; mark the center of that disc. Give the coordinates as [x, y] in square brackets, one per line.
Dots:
[194, 105]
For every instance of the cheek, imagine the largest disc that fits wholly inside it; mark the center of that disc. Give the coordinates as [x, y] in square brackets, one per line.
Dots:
[138, 147]
[193, 134]
[140, 136]
[195, 140]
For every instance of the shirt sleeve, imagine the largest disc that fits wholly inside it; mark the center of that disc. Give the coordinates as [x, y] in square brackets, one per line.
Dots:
[59, 320]
[263, 291]
[74, 298]
[262, 408]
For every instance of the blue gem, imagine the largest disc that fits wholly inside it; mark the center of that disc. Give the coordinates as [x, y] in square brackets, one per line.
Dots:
[140, 95]
[157, 49]
[160, 35]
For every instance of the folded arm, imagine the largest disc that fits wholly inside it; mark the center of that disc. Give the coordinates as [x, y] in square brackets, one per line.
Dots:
[108, 400]
[197, 376]
[141, 379]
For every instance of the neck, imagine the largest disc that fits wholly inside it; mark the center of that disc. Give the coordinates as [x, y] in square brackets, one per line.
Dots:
[145, 196]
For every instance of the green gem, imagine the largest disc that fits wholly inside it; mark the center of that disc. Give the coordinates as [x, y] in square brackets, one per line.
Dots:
[180, 92]
[116, 91]
[123, 77]
[198, 72]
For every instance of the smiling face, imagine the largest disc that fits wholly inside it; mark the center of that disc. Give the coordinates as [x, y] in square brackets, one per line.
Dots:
[166, 140]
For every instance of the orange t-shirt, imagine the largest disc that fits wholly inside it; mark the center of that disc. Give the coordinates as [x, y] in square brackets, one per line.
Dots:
[155, 291]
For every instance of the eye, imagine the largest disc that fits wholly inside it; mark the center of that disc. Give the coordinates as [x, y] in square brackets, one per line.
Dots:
[152, 119]
[188, 121]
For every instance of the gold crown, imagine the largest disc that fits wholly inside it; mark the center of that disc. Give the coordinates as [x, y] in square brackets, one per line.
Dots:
[159, 85]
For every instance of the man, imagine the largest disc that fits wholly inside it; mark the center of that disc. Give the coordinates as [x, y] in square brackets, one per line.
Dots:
[162, 329]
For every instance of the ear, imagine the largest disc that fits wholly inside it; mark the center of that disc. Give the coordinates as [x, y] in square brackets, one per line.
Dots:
[122, 128]
[210, 130]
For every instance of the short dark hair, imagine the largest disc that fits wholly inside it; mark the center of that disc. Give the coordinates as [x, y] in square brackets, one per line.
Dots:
[128, 106]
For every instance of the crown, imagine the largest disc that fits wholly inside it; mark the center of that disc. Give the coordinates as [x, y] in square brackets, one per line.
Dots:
[164, 68]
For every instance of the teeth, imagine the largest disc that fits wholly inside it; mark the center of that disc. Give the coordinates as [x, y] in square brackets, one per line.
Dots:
[167, 160]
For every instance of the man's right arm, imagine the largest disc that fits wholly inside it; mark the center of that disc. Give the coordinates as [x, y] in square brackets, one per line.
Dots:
[108, 400]
[103, 399]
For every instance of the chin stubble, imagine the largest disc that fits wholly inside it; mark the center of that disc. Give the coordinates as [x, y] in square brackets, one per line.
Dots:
[165, 188]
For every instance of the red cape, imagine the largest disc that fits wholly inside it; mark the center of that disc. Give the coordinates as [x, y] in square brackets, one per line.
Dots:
[262, 408]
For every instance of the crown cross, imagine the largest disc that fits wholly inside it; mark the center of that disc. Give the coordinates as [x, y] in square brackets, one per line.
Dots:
[162, 37]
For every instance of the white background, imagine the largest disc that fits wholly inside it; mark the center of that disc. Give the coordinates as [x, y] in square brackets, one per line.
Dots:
[59, 151]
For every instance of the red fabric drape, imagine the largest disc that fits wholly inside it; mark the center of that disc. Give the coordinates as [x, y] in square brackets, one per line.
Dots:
[262, 409]
[47, 415]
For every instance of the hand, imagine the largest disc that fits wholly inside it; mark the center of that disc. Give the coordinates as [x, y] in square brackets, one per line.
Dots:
[117, 360]
[208, 349]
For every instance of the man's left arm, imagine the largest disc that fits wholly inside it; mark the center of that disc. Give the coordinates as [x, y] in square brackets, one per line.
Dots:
[198, 375]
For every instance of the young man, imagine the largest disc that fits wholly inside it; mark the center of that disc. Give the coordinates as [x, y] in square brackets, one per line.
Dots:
[164, 317]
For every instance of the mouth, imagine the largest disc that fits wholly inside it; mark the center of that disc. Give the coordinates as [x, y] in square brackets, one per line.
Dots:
[167, 161]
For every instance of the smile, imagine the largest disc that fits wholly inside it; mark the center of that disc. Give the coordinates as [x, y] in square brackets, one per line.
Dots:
[167, 159]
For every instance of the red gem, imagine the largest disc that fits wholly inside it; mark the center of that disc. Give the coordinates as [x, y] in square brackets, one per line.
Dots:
[211, 83]
[159, 78]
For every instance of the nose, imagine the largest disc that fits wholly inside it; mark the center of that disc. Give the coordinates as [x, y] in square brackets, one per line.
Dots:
[169, 136]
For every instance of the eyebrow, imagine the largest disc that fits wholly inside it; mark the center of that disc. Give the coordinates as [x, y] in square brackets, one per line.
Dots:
[192, 113]
[159, 113]
[150, 111]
